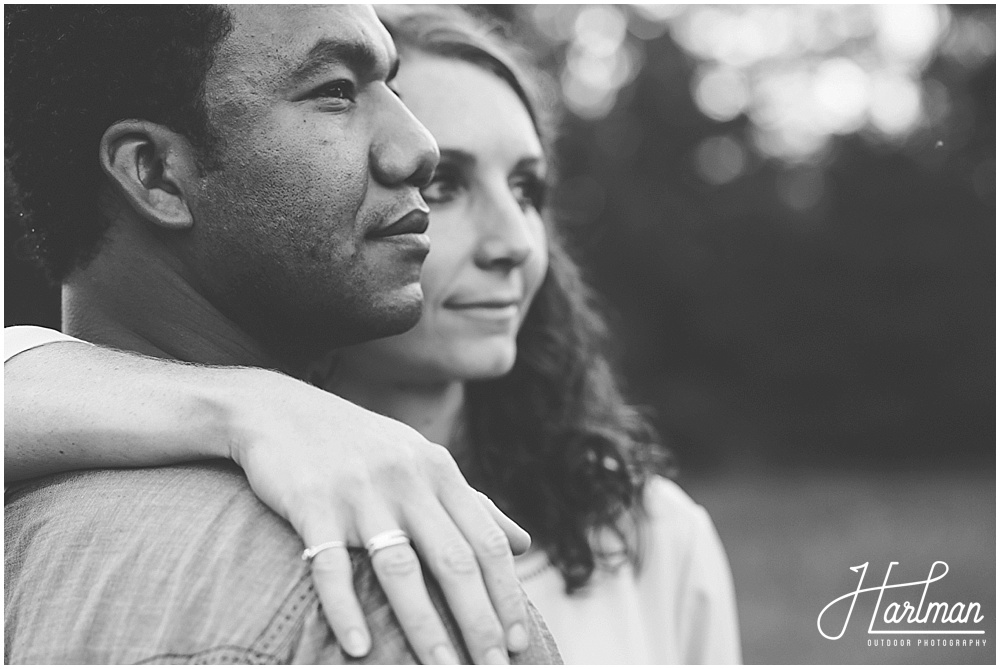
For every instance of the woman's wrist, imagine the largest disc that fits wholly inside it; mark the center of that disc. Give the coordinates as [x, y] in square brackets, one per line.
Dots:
[75, 407]
[240, 405]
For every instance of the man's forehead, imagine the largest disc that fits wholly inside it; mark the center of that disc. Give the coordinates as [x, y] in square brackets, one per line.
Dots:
[286, 33]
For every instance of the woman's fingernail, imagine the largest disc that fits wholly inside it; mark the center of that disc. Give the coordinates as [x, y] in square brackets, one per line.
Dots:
[496, 656]
[444, 655]
[356, 643]
[517, 638]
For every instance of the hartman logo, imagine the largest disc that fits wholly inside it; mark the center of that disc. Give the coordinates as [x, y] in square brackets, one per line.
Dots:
[909, 612]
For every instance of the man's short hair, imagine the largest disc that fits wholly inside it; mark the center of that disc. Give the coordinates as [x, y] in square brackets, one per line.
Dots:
[71, 72]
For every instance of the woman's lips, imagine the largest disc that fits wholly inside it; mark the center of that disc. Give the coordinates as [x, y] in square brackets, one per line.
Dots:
[485, 309]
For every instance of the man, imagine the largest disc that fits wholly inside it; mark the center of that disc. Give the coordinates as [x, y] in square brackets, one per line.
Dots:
[226, 187]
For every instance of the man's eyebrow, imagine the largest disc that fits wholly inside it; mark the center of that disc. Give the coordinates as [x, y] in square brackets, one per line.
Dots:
[360, 57]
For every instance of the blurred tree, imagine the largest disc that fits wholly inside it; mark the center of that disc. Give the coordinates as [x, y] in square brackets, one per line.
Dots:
[797, 287]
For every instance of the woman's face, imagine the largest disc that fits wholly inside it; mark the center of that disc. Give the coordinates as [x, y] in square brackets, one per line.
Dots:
[488, 243]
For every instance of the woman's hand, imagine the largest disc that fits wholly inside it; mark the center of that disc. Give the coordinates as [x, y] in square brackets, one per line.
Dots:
[334, 470]
[339, 472]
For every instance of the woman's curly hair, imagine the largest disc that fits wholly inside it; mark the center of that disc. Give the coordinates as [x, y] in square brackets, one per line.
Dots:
[70, 72]
[553, 442]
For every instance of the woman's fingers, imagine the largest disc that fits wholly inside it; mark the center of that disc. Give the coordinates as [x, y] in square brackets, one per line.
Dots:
[357, 492]
[489, 541]
[333, 577]
[520, 540]
[451, 557]
[398, 571]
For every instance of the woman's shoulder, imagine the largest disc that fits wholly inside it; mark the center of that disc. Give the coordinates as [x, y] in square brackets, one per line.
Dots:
[686, 564]
[666, 502]
[677, 528]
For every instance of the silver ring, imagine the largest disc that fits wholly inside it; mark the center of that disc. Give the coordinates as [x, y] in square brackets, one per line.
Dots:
[386, 539]
[310, 553]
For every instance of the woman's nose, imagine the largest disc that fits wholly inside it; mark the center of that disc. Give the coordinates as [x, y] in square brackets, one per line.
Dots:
[506, 239]
[403, 150]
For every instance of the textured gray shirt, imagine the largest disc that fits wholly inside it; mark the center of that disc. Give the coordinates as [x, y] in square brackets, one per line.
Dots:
[177, 565]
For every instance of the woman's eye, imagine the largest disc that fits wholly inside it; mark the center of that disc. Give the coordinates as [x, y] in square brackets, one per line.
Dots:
[530, 192]
[442, 188]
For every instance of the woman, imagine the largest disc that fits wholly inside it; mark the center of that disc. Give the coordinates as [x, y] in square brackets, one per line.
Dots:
[506, 368]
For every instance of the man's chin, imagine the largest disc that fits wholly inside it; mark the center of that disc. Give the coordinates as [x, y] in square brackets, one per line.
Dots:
[394, 314]
[297, 335]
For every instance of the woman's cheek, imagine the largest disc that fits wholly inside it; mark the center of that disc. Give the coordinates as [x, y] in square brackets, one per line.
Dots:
[539, 261]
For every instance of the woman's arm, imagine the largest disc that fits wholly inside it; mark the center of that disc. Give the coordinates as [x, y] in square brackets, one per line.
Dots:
[70, 405]
[317, 460]
[710, 599]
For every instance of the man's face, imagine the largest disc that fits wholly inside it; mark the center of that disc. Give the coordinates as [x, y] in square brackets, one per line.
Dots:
[309, 234]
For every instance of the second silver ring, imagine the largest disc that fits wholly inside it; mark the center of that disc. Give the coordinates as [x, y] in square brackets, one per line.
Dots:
[385, 540]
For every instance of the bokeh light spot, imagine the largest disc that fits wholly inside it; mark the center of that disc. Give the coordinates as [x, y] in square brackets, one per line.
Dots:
[840, 91]
[895, 104]
[722, 93]
[719, 160]
[907, 32]
[801, 189]
[600, 29]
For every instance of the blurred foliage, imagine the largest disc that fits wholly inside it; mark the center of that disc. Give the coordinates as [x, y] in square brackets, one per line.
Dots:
[790, 211]
[780, 300]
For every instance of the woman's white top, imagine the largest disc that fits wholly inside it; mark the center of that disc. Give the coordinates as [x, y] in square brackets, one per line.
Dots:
[20, 338]
[679, 608]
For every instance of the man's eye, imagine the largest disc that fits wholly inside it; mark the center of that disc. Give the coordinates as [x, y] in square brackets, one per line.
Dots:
[340, 89]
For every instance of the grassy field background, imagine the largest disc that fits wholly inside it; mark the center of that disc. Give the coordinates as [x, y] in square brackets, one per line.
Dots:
[793, 536]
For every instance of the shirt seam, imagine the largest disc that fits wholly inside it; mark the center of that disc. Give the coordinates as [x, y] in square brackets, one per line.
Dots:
[274, 642]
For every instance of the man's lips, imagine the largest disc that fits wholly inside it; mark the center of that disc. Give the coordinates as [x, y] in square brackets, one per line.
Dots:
[413, 223]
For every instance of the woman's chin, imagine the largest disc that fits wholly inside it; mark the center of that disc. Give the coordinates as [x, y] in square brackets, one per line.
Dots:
[485, 363]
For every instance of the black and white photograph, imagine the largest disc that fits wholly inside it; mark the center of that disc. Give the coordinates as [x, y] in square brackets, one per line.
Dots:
[500, 334]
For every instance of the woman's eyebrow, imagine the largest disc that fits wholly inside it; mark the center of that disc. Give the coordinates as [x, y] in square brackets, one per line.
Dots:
[459, 156]
[466, 159]
[534, 163]
[360, 57]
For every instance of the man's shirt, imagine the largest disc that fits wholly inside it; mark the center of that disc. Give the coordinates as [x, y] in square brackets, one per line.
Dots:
[177, 565]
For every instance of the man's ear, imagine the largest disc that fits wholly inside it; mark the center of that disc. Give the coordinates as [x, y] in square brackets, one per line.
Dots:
[154, 169]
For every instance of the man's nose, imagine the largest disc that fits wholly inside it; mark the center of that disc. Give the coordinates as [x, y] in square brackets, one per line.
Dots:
[506, 237]
[403, 150]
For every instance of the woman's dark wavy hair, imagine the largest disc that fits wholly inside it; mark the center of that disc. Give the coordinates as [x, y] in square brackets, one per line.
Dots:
[553, 442]
[70, 72]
